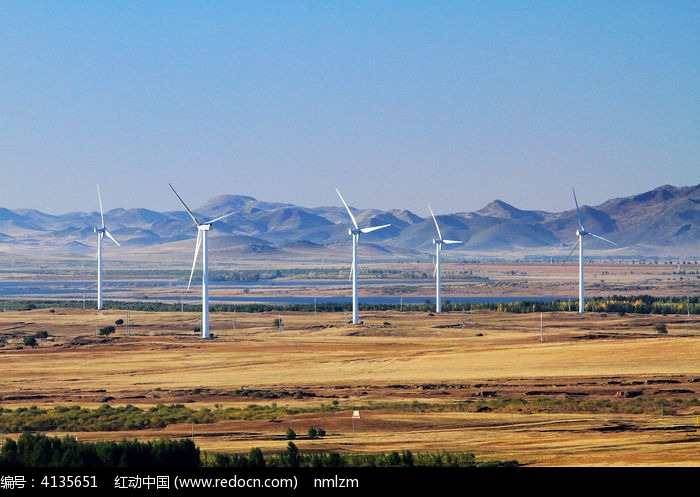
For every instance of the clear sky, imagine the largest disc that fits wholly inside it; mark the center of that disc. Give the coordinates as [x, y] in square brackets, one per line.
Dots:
[397, 103]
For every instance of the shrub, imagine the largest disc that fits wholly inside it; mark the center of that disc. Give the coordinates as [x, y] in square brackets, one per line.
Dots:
[256, 458]
[660, 328]
[316, 432]
[107, 330]
[291, 434]
[119, 322]
[30, 341]
[293, 458]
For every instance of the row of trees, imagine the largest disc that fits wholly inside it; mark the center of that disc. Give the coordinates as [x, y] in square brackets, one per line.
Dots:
[38, 450]
[640, 304]
[292, 457]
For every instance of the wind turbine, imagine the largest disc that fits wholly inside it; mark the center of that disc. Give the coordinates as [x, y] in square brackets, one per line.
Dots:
[439, 241]
[101, 232]
[202, 230]
[580, 233]
[355, 233]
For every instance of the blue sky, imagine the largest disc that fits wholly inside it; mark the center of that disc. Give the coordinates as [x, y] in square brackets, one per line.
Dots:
[396, 103]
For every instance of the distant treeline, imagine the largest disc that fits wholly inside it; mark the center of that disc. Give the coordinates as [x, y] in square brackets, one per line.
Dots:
[41, 451]
[622, 304]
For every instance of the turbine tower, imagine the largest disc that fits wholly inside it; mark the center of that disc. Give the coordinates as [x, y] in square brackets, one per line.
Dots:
[101, 232]
[202, 230]
[355, 233]
[439, 241]
[580, 233]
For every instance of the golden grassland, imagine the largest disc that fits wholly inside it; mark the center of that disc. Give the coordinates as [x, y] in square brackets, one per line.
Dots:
[392, 361]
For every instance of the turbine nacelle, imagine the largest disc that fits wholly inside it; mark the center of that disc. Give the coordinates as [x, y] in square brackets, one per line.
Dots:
[438, 241]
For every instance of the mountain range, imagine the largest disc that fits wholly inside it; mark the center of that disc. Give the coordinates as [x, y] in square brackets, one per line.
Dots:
[662, 222]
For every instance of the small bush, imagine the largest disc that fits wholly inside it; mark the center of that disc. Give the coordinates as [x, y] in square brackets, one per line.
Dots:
[291, 434]
[119, 322]
[30, 341]
[107, 330]
[316, 432]
[660, 328]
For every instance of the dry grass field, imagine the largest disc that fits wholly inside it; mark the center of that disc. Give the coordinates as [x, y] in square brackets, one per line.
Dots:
[410, 374]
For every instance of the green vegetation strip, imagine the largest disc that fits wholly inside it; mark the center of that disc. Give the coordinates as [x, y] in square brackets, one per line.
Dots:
[639, 304]
[122, 418]
[38, 450]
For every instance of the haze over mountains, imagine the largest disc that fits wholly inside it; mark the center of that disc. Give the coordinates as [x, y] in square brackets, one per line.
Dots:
[661, 222]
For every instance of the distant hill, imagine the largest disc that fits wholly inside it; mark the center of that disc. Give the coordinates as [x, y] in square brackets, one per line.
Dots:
[661, 222]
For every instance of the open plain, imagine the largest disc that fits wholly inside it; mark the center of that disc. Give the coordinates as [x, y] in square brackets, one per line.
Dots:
[544, 389]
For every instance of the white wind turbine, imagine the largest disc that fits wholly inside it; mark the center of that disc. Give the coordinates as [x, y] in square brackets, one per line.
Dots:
[439, 241]
[580, 233]
[101, 232]
[355, 233]
[202, 229]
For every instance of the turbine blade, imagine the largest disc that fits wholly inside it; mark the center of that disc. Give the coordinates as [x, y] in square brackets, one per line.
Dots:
[572, 251]
[604, 239]
[452, 241]
[196, 223]
[196, 253]
[352, 271]
[373, 228]
[578, 212]
[347, 209]
[219, 218]
[99, 197]
[436, 223]
[109, 235]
